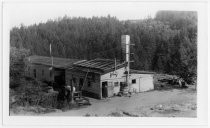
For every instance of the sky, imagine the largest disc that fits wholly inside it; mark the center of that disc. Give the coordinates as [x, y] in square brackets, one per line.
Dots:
[29, 13]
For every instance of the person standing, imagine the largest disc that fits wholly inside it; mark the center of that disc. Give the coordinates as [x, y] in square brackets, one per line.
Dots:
[72, 91]
[68, 92]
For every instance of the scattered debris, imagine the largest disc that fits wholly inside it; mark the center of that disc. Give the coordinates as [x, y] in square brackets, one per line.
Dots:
[87, 115]
[32, 109]
[116, 114]
[130, 114]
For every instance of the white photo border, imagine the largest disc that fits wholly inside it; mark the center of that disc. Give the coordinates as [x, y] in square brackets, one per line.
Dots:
[202, 90]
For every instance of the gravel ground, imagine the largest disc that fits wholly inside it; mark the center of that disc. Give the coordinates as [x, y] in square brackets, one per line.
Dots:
[157, 103]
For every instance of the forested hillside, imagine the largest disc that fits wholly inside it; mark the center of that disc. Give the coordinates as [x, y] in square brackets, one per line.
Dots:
[167, 43]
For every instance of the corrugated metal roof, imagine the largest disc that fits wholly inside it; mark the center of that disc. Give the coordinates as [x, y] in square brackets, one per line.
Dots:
[102, 65]
[57, 62]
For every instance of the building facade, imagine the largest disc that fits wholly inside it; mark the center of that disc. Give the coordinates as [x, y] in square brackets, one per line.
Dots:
[98, 78]
[101, 78]
[48, 69]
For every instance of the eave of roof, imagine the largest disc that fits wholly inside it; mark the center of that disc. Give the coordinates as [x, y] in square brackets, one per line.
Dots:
[99, 65]
[47, 61]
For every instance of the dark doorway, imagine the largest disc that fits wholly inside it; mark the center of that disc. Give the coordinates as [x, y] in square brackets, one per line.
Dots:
[81, 82]
[104, 89]
[122, 86]
[59, 79]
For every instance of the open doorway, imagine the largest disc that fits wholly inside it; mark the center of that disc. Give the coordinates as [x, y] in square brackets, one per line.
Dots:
[104, 89]
[59, 79]
[81, 82]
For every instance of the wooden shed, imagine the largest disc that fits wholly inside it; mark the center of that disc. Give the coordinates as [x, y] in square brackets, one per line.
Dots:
[101, 78]
[98, 78]
[87, 75]
[41, 68]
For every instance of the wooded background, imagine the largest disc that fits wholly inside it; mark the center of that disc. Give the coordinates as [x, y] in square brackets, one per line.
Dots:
[166, 43]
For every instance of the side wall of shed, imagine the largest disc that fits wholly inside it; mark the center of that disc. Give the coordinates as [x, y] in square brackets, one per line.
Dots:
[42, 72]
[91, 83]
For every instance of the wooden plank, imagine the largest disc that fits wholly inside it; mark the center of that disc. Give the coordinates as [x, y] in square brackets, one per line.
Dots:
[112, 67]
[94, 64]
[90, 63]
[105, 65]
[85, 63]
[80, 61]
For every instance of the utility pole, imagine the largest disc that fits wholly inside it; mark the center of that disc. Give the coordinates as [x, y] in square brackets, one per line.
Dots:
[51, 54]
[51, 69]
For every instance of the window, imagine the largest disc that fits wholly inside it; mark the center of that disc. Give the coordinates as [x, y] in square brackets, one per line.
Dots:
[115, 84]
[42, 72]
[133, 81]
[34, 73]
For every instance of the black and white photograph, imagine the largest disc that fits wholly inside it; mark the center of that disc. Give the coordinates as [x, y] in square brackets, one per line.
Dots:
[103, 59]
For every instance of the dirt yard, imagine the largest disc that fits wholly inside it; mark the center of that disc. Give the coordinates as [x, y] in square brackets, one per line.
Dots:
[157, 103]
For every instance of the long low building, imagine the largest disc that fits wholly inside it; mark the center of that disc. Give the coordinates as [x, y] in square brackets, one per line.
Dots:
[98, 78]
[40, 68]
[106, 78]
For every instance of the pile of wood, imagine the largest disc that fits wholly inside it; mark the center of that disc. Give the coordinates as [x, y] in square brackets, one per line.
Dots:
[174, 81]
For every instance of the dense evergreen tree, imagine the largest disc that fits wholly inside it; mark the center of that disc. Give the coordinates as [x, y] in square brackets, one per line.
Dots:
[167, 43]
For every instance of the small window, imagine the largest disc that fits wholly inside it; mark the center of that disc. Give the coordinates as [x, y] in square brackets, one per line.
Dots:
[34, 73]
[115, 84]
[133, 81]
[42, 72]
[89, 84]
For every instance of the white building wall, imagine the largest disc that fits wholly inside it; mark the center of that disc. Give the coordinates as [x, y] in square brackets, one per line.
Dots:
[108, 76]
[144, 82]
[135, 87]
[119, 77]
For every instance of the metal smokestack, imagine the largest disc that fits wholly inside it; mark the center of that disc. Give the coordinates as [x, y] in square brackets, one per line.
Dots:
[126, 49]
[128, 52]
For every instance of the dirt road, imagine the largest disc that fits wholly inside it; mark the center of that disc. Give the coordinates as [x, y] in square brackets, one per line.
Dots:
[165, 103]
